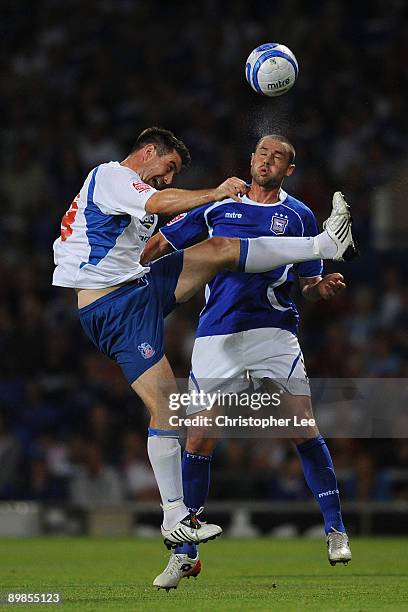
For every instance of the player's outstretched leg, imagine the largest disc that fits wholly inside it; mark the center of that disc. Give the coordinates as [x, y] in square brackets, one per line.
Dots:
[335, 242]
[204, 260]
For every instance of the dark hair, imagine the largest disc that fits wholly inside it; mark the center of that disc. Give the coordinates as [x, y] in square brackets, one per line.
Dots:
[164, 141]
[283, 139]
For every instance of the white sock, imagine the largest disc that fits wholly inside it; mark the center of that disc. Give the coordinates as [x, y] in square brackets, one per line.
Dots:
[267, 253]
[172, 516]
[165, 457]
[326, 245]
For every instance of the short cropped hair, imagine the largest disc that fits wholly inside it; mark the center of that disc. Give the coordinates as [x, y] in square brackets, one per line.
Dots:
[283, 139]
[164, 141]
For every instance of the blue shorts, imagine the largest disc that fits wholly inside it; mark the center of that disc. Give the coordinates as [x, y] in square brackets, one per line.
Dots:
[127, 325]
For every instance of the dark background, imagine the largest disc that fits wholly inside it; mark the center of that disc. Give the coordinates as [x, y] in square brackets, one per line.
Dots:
[79, 81]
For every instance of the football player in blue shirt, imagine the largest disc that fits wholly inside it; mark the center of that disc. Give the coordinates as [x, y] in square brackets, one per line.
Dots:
[249, 327]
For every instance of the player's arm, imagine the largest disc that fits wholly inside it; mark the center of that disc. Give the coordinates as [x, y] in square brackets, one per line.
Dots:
[173, 201]
[322, 288]
[157, 246]
[117, 192]
[182, 231]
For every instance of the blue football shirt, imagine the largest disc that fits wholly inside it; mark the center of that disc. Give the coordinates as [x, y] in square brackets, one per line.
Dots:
[237, 301]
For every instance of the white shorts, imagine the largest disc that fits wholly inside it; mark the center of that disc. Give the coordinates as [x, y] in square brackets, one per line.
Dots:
[229, 362]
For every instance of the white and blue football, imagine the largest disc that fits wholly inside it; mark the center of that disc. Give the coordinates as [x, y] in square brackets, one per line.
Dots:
[271, 69]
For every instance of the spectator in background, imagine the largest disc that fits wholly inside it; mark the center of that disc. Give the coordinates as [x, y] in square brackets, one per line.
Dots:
[139, 481]
[94, 482]
[362, 319]
[101, 431]
[42, 485]
[288, 481]
[367, 480]
[382, 358]
[400, 462]
[391, 298]
[24, 183]
[10, 461]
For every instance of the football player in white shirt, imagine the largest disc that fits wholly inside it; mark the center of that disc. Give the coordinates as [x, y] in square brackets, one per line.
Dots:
[122, 304]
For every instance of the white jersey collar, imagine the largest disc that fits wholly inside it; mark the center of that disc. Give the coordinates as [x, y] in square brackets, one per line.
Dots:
[282, 197]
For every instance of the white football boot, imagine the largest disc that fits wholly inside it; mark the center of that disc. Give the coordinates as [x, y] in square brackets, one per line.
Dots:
[191, 531]
[178, 567]
[338, 549]
[338, 226]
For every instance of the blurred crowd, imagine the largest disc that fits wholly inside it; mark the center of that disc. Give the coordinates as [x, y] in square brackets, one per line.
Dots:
[79, 82]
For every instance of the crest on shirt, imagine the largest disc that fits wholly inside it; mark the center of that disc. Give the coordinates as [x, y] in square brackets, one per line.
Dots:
[279, 223]
[177, 218]
[146, 350]
[148, 221]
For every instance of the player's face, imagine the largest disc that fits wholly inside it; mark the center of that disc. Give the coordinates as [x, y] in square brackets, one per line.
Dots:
[270, 163]
[159, 170]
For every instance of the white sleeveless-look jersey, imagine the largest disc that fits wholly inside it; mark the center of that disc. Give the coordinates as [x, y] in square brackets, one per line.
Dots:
[105, 230]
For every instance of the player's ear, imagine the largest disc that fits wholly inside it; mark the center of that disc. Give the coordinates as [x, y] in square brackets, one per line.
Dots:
[148, 152]
[290, 170]
[252, 158]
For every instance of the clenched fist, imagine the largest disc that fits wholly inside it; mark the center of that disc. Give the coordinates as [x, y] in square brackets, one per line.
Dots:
[232, 188]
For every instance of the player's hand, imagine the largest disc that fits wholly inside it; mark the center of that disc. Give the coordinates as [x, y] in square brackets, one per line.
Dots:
[331, 285]
[231, 188]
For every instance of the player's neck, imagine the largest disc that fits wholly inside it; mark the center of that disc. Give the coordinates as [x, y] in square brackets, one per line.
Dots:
[262, 195]
[133, 162]
[129, 162]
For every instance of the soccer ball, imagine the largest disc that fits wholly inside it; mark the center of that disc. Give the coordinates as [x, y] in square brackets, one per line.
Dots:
[271, 69]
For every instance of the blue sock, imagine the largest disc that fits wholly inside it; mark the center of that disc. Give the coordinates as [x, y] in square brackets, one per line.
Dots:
[196, 484]
[319, 473]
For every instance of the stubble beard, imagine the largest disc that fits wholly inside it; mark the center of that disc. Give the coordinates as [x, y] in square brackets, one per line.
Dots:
[265, 182]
